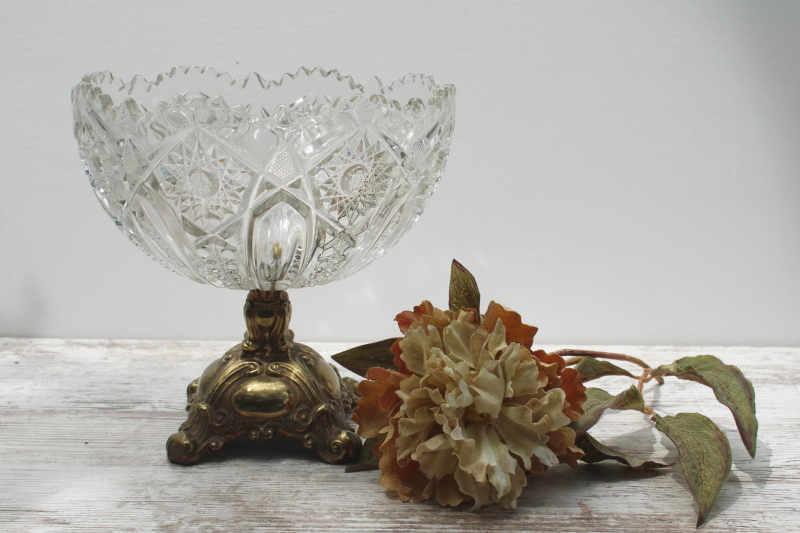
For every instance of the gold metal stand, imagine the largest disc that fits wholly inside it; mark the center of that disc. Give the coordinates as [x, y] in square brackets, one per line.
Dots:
[267, 384]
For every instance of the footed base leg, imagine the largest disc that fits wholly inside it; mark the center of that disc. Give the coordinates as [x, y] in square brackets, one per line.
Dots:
[266, 384]
[195, 438]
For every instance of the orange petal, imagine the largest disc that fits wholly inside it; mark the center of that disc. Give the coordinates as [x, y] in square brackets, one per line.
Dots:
[401, 365]
[547, 368]
[556, 442]
[565, 378]
[425, 308]
[406, 318]
[368, 415]
[571, 456]
[551, 358]
[536, 466]
[516, 331]
[376, 449]
[571, 452]
[439, 322]
[575, 391]
[388, 399]
[392, 433]
[408, 481]
[385, 376]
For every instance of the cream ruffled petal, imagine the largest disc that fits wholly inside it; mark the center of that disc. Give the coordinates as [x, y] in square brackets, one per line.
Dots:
[523, 437]
[474, 419]
[412, 433]
[434, 339]
[525, 381]
[475, 452]
[499, 474]
[414, 346]
[550, 405]
[518, 482]
[457, 341]
[408, 386]
[497, 340]
[510, 361]
[434, 394]
[477, 347]
[460, 396]
[436, 458]
[447, 492]
[470, 487]
[488, 390]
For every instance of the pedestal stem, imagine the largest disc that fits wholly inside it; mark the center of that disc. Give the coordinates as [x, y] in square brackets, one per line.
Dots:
[267, 315]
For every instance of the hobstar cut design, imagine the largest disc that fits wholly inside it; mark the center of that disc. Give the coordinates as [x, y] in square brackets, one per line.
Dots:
[250, 184]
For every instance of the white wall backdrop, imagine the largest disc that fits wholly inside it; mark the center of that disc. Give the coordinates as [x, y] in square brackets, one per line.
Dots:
[621, 172]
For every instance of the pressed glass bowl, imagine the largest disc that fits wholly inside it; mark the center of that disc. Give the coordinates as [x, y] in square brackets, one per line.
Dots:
[255, 184]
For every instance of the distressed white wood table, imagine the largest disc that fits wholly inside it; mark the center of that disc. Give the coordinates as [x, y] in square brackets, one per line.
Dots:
[83, 426]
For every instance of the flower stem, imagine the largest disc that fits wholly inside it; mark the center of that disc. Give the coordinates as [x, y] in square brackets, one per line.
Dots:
[645, 377]
[573, 354]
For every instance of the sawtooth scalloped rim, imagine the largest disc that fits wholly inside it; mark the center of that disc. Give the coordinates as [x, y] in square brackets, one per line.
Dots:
[107, 78]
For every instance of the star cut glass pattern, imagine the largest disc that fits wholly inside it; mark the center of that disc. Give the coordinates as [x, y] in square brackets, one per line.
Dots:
[355, 177]
[203, 182]
[256, 184]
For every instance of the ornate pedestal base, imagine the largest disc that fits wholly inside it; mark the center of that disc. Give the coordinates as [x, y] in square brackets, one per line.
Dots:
[268, 384]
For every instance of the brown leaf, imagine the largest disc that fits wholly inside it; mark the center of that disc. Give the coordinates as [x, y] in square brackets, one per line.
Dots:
[730, 387]
[362, 358]
[591, 368]
[704, 455]
[366, 460]
[596, 452]
[516, 331]
[598, 400]
[463, 288]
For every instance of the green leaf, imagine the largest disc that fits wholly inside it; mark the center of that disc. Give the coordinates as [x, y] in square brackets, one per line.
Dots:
[591, 368]
[704, 455]
[366, 460]
[362, 358]
[598, 400]
[595, 452]
[729, 385]
[463, 289]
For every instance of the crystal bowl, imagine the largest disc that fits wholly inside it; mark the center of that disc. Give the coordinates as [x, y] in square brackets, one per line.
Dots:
[256, 184]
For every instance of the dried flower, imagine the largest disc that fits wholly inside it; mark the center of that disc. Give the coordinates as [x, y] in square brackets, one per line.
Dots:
[472, 411]
[460, 407]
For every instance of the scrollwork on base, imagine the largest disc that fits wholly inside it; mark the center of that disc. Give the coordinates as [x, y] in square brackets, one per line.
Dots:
[264, 385]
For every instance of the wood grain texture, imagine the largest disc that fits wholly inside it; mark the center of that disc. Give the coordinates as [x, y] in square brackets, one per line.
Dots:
[83, 425]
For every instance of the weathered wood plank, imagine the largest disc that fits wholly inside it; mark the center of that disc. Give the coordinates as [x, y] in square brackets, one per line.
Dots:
[83, 426]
